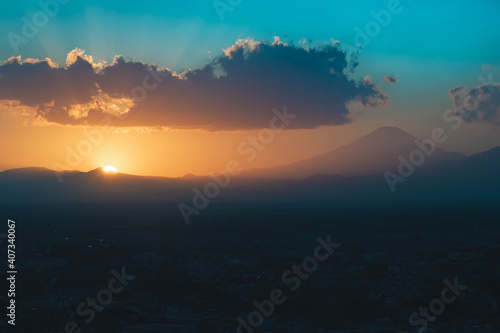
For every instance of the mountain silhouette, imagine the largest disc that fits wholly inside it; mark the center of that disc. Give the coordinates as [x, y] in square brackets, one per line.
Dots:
[372, 154]
[448, 179]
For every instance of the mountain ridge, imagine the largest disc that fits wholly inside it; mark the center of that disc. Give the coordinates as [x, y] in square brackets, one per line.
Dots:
[373, 153]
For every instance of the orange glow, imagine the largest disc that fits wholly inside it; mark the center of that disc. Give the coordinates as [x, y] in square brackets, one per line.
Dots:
[169, 153]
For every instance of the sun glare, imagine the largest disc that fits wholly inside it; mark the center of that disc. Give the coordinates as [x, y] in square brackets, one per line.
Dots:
[110, 169]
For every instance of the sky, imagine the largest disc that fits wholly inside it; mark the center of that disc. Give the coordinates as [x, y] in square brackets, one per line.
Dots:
[218, 69]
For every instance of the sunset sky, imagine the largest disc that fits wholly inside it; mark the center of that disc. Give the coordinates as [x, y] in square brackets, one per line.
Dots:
[215, 76]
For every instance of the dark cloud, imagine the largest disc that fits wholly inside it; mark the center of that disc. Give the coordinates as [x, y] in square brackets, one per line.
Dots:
[36, 82]
[237, 90]
[478, 105]
[391, 79]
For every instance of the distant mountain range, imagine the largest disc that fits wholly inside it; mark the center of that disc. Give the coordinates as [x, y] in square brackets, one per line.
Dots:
[354, 174]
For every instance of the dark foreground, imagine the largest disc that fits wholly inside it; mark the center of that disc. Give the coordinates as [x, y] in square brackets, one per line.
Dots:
[140, 268]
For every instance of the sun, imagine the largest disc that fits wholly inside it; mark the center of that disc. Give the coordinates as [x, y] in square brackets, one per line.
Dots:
[110, 169]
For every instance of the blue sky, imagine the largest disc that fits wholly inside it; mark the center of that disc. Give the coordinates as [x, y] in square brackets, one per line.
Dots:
[179, 34]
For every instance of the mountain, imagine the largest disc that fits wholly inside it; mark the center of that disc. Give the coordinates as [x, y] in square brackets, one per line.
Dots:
[372, 154]
[25, 173]
[482, 164]
[473, 179]
[470, 182]
[32, 185]
[40, 185]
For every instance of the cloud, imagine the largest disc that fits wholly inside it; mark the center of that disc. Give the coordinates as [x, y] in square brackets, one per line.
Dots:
[236, 90]
[478, 105]
[391, 79]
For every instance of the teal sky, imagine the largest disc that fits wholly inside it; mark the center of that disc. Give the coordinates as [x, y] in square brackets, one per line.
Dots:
[179, 34]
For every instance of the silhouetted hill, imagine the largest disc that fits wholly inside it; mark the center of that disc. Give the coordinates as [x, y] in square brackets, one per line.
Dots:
[372, 154]
[31, 172]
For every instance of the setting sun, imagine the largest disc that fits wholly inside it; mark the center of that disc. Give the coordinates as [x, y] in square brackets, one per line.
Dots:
[110, 169]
